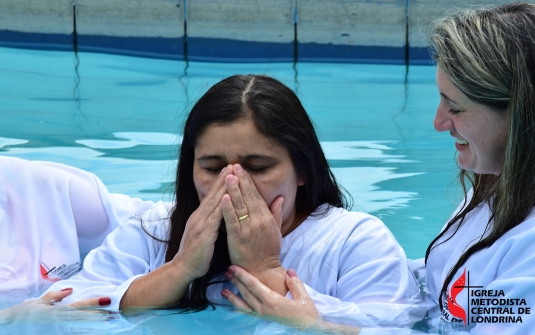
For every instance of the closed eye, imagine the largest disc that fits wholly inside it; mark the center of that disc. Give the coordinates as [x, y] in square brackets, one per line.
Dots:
[213, 169]
[257, 169]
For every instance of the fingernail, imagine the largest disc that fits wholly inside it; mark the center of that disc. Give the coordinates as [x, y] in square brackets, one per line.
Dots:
[223, 170]
[229, 275]
[291, 273]
[104, 301]
[232, 269]
[67, 289]
[230, 179]
[224, 293]
[238, 168]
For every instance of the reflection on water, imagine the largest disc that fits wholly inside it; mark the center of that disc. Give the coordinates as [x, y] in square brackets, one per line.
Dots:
[122, 175]
[362, 181]
[133, 139]
[10, 141]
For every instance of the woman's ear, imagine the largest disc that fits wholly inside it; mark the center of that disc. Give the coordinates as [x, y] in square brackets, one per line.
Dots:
[302, 178]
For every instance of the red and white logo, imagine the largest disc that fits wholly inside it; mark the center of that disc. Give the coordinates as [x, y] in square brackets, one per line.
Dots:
[454, 308]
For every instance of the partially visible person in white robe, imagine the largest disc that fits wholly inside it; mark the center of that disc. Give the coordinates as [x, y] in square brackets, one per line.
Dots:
[51, 215]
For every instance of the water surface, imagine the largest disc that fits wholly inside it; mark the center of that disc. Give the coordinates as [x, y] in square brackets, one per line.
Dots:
[121, 118]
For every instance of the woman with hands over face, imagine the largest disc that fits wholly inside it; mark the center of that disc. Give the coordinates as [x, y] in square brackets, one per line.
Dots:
[253, 189]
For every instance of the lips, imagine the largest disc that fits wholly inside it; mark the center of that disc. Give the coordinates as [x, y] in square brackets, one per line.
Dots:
[461, 145]
[458, 141]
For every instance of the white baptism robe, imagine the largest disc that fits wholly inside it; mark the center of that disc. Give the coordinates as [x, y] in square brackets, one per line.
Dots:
[49, 214]
[341, 257]
[499, 277]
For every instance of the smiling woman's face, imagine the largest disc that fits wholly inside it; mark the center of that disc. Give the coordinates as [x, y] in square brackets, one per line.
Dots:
[269, 164]
[480, 132]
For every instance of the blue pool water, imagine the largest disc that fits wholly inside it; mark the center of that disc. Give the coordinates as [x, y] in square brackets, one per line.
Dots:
[120, 118]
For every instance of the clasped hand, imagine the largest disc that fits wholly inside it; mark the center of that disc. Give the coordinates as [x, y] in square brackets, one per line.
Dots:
[253, 230]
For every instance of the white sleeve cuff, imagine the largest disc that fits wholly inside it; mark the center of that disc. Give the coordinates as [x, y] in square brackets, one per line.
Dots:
[86, 289]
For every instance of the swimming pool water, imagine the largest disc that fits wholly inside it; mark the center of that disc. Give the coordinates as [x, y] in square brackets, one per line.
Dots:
[120, 118]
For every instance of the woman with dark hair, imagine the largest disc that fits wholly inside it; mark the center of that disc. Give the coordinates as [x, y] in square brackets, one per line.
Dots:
[253, 188]
[481, 266]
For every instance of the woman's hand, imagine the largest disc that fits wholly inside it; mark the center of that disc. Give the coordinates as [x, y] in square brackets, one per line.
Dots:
[44, 310]
[253, 230]
[167, 284]
[197, 245]
[299, 313]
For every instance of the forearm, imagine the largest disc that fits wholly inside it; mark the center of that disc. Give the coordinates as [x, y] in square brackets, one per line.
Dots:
[275, 279]
[161, 287]
[166, 285]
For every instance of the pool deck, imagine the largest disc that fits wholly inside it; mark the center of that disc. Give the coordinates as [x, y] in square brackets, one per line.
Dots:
[347, 31]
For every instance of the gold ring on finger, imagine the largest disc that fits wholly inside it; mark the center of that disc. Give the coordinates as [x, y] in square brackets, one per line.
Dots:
[241, 218]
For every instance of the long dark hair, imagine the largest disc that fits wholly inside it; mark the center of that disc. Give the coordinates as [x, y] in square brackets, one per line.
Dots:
[277, 113]
[488, 54]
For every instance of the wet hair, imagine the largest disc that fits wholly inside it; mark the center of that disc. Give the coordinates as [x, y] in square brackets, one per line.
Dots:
[488, 55]
[277, 113]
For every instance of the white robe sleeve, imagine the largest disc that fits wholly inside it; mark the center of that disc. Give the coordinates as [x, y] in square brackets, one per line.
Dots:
[374, 284]
[126, 254]
[373, 266]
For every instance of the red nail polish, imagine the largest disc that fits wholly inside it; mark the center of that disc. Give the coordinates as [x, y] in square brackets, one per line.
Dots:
[229, 275]
[291, 273]
[232, 269]
[224, 293]
[104, 301]
[67, 289]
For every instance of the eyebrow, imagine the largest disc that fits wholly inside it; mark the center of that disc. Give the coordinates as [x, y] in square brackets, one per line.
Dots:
[241, 157]
[446, 97]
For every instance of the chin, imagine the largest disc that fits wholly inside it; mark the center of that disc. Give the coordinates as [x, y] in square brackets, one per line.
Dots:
[483, 171]
[466, 167]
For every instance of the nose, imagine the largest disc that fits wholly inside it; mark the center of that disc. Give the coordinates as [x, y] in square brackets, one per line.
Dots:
[442, 121]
